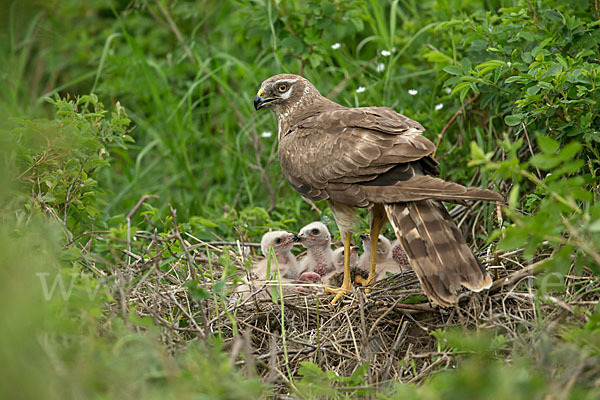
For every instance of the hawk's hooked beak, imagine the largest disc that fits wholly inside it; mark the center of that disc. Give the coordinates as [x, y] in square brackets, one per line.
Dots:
[295, 238]
[260, 102]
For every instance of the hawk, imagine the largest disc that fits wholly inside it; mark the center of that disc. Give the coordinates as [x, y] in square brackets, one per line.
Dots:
[375, 158]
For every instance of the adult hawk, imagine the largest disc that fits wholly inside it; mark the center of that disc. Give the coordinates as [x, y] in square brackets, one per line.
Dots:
[375, 158]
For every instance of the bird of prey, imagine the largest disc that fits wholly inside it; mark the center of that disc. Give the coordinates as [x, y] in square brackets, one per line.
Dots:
[375, 158]
[281, 242]
[316, 239]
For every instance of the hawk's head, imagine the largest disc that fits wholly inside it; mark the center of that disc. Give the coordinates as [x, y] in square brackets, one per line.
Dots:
[282, 92]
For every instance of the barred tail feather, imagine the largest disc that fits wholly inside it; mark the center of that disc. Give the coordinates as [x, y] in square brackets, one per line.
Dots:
[437, 250]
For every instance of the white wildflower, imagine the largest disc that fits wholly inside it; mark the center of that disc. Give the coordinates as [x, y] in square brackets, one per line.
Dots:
[385, 53]
[438, 107]
[509, 64]
[380, 67]
[266, 134]
[336, 46]
[413, 92]
[448, 90]
[360, 89]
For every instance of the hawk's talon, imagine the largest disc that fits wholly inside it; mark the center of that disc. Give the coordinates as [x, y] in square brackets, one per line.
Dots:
[339, 293]
[365, 282]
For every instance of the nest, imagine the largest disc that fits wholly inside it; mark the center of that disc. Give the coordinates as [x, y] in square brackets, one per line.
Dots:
[191, 295]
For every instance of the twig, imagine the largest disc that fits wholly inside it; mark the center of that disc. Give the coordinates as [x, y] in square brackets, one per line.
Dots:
[75, 182]
[84, 234]
[530, 147]
[176, 31]
[517, 275]
[191, 263]
[312, 205]
[340, 86]
[397, 343]
[456, 114]
[225, 243]
[131, 214]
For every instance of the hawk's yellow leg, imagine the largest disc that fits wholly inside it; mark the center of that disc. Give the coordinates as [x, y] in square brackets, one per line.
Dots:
[378, 218]
[346, 284]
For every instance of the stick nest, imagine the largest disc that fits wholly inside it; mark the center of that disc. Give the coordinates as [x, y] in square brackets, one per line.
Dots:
[188, 288]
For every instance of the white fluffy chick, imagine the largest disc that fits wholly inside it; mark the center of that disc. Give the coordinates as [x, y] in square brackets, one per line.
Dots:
[281, 242]
[383, 259]
[338, 263]
[317, 240]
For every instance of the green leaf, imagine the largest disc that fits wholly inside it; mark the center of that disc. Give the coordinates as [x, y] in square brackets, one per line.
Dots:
[219, 286]
[544, 161]
[547, 144]
[569, 151]
[514, 119]
[453, 70]
[513, 197]
[515, 78]
[466, 65]
[554, 15]
[203, 221]
[294, 44]
[533, 90]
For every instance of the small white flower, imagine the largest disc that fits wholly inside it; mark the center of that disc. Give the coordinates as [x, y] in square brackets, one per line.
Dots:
[413, 92]
[360, 89]
[509, 64]
[266, 134]
[336, 46]
[438, 107]
[385, 53]
[448, 90]
[380, 67]
[394, 49]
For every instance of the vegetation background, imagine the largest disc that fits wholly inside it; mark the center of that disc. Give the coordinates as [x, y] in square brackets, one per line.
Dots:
[104, 102]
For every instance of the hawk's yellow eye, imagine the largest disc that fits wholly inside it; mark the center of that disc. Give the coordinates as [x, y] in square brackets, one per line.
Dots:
[282, 88]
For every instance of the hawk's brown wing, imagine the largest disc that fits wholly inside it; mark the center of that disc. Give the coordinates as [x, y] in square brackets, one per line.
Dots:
[360, 156]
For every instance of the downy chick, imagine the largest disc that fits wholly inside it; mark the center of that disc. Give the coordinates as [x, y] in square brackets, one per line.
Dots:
[335, 277]
[383, 259]
[316, 239]
[281, 242]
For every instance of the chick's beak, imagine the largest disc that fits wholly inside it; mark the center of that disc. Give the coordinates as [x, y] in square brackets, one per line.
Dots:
[364, 236]
[296, 238]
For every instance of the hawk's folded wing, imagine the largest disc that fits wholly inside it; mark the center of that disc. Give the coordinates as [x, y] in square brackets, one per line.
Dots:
[360, 156]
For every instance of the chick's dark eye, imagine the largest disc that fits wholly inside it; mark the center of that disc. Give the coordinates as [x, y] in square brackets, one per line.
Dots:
[282, 88]
[278, 240]
[315, 231]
